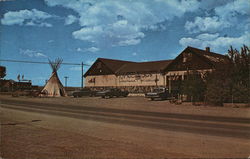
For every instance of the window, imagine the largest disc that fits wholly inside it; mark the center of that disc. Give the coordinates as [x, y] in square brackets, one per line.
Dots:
[184, 58]
[187, 57]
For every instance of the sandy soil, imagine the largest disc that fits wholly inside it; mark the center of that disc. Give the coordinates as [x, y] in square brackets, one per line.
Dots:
[62, 137]
[141, 103]
[46, 137]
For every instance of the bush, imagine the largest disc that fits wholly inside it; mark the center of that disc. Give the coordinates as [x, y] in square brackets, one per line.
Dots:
[194, 87]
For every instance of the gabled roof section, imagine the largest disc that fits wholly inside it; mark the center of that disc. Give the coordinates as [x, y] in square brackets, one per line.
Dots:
[206, 59]
[144, 67]
[210, 59]
[215, 59]
[111, 64]
[118, 67]
[128, 67]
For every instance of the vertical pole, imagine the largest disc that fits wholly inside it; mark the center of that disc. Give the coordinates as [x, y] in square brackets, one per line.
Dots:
[66, 78]
[12, 89]
[65, 81]
[232, 99]
[170, 84]
[164, 81]
[156, 80]
[82, 75]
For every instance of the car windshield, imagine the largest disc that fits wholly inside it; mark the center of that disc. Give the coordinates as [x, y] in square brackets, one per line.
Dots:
[85, 89]
[108, 90]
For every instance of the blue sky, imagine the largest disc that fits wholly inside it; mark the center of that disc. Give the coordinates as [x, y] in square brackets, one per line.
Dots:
[136, 30]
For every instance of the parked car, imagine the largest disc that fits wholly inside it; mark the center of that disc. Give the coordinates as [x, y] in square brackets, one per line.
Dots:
[84, 92]
[158, 93]
[114, 92]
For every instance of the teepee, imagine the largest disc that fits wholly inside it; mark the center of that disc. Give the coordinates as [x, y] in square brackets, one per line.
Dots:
[54, 87]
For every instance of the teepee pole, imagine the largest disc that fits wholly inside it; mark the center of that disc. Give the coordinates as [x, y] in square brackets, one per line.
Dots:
[54, 86]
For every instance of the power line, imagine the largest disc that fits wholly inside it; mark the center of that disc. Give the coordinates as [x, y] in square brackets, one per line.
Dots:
[19, 61]
[81, 64]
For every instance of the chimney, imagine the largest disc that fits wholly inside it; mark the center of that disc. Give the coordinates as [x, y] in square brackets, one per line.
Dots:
[207, 49]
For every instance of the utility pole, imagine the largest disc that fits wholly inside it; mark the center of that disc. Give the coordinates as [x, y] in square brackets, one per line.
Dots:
[37, 62]
[66, 78]
[82, 74]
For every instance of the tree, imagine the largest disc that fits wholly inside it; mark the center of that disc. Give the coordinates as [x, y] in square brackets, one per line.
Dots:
[194, 86]
[240, 74]
[218, 84]
[231, 82]
[2, 71]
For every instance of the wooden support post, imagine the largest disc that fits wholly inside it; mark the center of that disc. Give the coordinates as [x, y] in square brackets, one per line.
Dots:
[169, 87]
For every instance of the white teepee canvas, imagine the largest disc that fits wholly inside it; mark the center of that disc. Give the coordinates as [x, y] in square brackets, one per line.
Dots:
[54, 87]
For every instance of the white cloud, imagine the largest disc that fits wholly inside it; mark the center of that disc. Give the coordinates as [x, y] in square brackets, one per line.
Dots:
[43, 24]
[88, 33]
[119, 33]
[227, 14]
[190, 42]
[129, 42]
[216, 42]
[230, 10]
[26, 17]
[91, 49]
[122, 22]
[201, 24]
[38, 54]
[70, 19]
[207, 36]
[32, 53]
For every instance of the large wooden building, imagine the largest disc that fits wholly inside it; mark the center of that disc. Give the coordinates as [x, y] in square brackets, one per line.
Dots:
[143, 76]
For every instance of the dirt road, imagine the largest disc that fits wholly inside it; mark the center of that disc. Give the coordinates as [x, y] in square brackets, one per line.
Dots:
[199, 124]
[124, 132]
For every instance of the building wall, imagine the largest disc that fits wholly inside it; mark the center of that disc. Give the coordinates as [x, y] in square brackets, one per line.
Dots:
[138, 82]
[125, 80]
[101, 81]
[173, 78]
[182, 73]
[141, 80]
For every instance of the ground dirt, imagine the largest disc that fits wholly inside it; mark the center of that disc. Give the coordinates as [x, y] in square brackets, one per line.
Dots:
[35, 135]
[141, 103]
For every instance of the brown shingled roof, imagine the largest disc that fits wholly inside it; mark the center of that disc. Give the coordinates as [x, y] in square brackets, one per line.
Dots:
[127, 67]
[112, 64]
[142, 67]
[214, 58]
